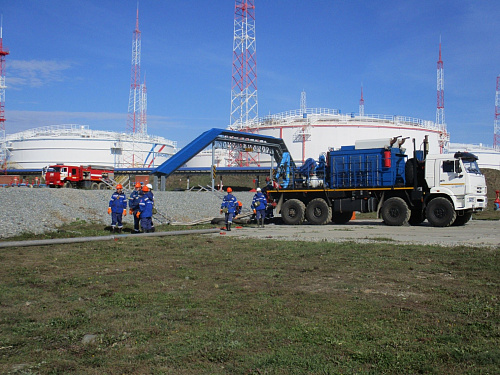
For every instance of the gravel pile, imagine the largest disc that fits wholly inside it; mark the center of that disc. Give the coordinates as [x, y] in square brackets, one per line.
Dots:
[42, 210]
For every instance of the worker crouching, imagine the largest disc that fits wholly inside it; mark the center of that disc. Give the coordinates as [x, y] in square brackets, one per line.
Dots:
[228, 207]
[259, 204]
[145, 211]
[117, 209]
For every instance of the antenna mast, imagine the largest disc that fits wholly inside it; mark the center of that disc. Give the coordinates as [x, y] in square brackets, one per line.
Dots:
[440, 121]
[361, 103]
[496, 136]
[244, 108]
[143, 108]
[440, 91]
[135, 79]
[303, 102]
[3, 143]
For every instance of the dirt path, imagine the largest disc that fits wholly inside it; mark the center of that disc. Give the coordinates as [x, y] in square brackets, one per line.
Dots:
[474, 233]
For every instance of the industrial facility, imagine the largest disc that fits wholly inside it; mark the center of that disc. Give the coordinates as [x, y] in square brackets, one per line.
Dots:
[306, 130]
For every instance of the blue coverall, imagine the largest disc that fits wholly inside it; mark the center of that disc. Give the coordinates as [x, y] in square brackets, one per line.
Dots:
[259, 204]
[118, 203]
[133, 203]
[230, 203]
[146, 212]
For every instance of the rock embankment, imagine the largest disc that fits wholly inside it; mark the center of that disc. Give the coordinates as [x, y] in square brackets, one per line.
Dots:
[43, 210]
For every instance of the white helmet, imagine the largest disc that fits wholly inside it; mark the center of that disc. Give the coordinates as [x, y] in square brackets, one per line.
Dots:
[150, 187]
[259, 189]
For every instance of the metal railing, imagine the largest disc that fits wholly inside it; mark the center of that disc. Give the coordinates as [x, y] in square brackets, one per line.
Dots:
[84, 131]
[325, 114]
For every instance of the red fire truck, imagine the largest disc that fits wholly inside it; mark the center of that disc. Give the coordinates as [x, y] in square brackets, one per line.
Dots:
[83, 176]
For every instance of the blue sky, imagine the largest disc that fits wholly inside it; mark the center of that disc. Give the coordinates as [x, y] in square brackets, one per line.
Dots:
[70, 61]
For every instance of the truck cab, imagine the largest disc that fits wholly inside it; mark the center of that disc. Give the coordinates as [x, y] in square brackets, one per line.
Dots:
[457, 176]
[456, 188]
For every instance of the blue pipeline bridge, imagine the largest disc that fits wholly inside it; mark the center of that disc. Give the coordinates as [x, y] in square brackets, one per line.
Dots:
[225, 139]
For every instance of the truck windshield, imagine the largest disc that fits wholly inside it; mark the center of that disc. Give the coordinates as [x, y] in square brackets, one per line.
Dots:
[471, 166]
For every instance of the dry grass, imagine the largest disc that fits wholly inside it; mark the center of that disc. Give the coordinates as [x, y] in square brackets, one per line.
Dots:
[218, 305]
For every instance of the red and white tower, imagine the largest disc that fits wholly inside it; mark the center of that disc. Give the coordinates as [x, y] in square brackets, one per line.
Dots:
[496, 136]
[361, 103]
[143, 106]
[244, 108]
[133, 119]
[444, 137]
[3, 149]
[440, 91]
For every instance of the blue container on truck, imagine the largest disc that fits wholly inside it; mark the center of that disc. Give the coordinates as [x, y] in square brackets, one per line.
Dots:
[366, 168]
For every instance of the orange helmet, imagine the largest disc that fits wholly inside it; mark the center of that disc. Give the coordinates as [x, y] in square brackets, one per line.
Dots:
[137, 185]
[145, 189]
[229, 190]
[240, 204]
[119, 186]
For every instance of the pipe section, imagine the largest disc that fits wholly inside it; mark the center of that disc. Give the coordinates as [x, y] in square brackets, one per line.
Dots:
[55, 241]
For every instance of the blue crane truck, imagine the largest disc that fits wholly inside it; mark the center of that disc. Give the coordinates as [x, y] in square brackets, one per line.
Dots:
[377, 176]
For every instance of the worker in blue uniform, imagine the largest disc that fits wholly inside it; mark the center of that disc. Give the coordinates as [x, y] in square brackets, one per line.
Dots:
[152, 197]
[145, 210]
[133, 204]
[228, 206]
[117, 209]
[259, 204]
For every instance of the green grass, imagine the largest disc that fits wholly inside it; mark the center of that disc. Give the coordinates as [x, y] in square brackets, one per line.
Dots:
[222, 305]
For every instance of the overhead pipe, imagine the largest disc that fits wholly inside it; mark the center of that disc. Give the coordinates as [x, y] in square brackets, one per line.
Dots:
[55, 241]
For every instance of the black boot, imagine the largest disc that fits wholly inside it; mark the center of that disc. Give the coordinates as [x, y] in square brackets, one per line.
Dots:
[113, 229]
[229, 227]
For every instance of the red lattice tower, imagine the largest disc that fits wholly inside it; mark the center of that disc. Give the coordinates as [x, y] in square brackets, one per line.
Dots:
[440, 120]
[133, 123]
[3, 53]
[361, 103]
[440, 91]
[496, 136]
[244, 108]
[244, 104]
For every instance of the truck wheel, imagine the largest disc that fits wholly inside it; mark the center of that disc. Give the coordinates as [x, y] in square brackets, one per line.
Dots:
[67, 185]
[102, 186]
[292, 212]
[342, 217]
[440, 212]
[462, 219]
[94, 186]
[395, 212]
[318, 212]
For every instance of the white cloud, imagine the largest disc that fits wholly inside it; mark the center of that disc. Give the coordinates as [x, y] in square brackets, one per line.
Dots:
[36, 73]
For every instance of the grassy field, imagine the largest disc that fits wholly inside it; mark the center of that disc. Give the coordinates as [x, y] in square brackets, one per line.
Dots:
[217, 305]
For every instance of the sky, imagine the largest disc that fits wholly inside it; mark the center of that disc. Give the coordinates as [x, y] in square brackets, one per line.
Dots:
[70, 61]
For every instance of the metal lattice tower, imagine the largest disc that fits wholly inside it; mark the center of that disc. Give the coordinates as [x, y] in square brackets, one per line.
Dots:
[361, 103]
[244, 108]
[440, 121]
[133, 119]
[303, 102]
[3, 145]
[143, 107]
[496, 136]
